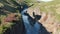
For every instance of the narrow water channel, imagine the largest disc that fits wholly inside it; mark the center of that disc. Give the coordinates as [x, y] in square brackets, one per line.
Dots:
[38, 28]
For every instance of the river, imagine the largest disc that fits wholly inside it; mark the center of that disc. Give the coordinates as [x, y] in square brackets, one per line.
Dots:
[36, 29]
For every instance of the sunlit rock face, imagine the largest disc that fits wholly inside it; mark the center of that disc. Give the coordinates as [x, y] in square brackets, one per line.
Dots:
[44, 0]
[47, 19]
[36, 10]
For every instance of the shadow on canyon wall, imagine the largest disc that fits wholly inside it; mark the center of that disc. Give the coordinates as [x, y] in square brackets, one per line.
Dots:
[17, 28]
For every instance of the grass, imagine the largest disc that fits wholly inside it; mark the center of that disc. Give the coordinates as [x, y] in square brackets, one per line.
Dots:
[1, 5]
[49, 7]
[4, 26]
[44, 7]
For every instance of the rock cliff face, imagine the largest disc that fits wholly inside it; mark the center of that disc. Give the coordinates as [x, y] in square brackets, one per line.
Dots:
[48, 19]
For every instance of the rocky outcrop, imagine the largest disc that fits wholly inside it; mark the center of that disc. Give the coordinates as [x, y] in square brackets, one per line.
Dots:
[48, 19]
[36, 10]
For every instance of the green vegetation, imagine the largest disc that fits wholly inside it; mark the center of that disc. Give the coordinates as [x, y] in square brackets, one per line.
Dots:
[7, 7]
[12, 5]
[49, 7]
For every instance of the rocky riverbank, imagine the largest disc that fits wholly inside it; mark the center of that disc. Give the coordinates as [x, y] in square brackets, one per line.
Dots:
[48, 19]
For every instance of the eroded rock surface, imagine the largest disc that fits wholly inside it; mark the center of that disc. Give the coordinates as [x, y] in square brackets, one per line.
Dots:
[48, 19]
